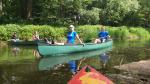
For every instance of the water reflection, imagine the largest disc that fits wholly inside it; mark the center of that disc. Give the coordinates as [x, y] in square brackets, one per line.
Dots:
[15, 50]
[75, 65]
[36, 54]
[25, 67]
[49, 62]
[104, 57]
[16, 54]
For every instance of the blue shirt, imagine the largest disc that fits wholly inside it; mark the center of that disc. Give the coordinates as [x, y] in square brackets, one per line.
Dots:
[103, 34]
[71, 37]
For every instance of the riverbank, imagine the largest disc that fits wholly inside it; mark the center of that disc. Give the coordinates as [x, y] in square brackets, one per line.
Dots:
[141, 67]
[134, 73]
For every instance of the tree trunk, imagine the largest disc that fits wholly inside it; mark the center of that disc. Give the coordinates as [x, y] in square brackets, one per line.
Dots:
[60, 8]
[29, 9]
[26, 9]
[23, 8]
[1, 7]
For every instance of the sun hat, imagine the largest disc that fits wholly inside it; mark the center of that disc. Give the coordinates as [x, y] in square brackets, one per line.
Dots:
[71, 26]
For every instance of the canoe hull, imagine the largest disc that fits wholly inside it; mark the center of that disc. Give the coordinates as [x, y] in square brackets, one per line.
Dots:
[24, 42]
[52, 50]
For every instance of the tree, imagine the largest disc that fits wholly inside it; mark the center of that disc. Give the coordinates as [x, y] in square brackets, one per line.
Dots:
[144, 13]
[26, 9]
[1, 8]
[116, 10]
[89, 16]
[29, 9]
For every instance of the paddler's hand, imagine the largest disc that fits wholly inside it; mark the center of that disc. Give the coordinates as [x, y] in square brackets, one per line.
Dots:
[83, 44]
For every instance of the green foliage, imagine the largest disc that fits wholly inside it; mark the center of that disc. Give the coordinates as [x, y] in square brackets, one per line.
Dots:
[116, 10]
[25, 32]
[3, 33]
[111, 31]
[10, 28]
[140, 32]
[121, 33]
[44, 31]
[144, 13]
[64, 12]
[89, 16]
[60, 34]
[87, 33]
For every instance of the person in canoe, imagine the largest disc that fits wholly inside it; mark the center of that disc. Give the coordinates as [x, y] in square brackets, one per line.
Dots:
[103, 36]
[14, 37]
[49, 41]
[35, 36]
[72, 35]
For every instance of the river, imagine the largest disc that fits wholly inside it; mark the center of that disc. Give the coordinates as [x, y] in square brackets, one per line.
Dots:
[22, 64]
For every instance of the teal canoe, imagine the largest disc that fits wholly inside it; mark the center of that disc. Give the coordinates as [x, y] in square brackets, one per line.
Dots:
[22, 42]
[53, 50]
[48, 63]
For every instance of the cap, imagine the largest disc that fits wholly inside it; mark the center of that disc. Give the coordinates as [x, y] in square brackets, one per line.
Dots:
[71, 26]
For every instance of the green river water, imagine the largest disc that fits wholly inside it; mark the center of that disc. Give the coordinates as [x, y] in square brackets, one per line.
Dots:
[22, 64]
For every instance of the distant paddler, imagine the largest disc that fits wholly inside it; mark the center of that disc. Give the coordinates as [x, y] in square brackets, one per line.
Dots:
[103, 35]
[14, 37]
[35, 36]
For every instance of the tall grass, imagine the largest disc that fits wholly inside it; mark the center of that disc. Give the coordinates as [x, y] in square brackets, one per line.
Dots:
[86, 32]
[140, 32]
[121, 33]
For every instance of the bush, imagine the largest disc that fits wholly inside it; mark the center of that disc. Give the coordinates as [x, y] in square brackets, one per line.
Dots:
[10, 28]
[3, 33]
[87, 32]
[140, 32]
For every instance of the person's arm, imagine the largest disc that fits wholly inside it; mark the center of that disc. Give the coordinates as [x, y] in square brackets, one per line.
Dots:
[100, 35]
[37, 36]
[66, 38]
[108, 36]
[77, 36]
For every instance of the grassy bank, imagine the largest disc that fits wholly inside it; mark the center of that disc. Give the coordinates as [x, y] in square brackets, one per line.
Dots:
[86, 32]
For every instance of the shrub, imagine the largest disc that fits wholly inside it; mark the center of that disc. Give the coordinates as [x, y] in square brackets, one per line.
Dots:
[10, 28]
[140, 32]
[3, 33]
[86, 32]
